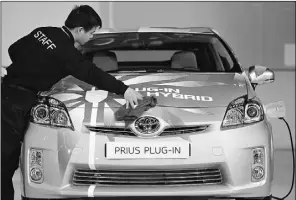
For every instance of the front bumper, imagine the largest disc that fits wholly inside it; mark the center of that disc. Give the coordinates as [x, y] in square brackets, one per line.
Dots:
[158, 198]
[230, 150]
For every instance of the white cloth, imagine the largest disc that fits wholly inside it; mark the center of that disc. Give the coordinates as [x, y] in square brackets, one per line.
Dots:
[3, 71]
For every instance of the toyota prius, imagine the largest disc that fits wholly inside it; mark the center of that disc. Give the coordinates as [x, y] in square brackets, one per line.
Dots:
[208, 135]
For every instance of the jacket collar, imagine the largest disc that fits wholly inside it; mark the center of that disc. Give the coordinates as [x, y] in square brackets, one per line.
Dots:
[66, 30]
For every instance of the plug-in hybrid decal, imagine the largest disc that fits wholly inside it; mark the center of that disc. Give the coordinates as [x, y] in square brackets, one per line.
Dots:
[170, 92]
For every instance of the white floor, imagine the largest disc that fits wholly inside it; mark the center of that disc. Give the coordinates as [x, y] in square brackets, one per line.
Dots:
[281, 184]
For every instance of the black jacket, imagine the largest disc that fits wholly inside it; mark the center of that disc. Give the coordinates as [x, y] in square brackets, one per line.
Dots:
[46, 55]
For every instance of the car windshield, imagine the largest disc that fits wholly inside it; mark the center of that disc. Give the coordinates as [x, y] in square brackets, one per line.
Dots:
[160, 52]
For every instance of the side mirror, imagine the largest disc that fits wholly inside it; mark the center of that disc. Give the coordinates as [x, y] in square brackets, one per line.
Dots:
[259, 75]
[275, 110]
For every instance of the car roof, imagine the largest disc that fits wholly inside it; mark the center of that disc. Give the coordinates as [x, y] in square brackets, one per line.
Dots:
[197, 30]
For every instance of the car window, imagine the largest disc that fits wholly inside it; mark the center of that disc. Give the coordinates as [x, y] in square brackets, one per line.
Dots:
[199, 59]
[143, 55]
[223, 55]
[154, 51]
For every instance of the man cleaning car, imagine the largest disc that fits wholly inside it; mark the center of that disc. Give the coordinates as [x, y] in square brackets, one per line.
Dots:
[39, 60]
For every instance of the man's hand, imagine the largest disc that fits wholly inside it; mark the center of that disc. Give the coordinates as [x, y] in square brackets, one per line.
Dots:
[131, 96]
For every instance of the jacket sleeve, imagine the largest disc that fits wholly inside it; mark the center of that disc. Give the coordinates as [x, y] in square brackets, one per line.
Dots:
[79, 67]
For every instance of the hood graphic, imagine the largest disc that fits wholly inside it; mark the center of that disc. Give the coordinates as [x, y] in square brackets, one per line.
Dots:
[171, 89]
[183, 99]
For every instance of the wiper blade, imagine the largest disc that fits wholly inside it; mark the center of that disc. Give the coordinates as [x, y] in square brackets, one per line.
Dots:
[189, 69]
[185, 69]
[125, 70]
[115, 70]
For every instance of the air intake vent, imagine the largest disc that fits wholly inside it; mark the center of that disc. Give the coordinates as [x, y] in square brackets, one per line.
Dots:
[86, 177]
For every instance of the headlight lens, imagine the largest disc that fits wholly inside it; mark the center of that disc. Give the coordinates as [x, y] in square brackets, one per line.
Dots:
[242, 111]
[252, 111]
[59, 117]
[51, 112]
[41, 114]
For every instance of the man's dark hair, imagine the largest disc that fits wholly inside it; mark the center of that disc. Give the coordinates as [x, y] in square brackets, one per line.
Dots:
[83, 16]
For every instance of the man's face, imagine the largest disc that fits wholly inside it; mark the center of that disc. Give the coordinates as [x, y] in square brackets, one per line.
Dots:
[85, 36]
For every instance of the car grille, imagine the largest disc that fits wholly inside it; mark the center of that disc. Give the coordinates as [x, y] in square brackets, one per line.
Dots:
[183, 130]
[110, 130]
[84, 177]
[166, 132]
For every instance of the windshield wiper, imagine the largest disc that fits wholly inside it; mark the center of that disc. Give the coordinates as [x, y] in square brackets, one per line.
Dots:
[126, 70]
[189, 69]
[184, 69]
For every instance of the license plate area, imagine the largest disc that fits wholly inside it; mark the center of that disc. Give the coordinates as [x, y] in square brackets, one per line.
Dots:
[148, 150]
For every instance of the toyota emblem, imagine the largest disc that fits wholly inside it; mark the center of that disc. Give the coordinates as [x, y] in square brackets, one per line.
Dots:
[147, 125]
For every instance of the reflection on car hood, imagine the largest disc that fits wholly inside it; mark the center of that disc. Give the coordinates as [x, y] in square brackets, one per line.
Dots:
[171, 89]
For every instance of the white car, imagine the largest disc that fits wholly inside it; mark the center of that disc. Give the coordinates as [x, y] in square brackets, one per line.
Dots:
[208, 135]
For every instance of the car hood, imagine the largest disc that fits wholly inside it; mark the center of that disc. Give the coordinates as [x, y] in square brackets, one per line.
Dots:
[171, 89]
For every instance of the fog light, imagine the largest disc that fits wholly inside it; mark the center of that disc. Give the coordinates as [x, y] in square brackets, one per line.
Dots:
[36, 156]
[258, 164]
[258, 172]
[36, 174]
[36, 165]
[258, 156]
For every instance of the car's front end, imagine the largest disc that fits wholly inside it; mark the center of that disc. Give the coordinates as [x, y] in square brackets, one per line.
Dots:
[208, 136]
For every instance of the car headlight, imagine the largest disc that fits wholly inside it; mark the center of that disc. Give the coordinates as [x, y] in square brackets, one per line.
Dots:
[52, 112]
[242, 111]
